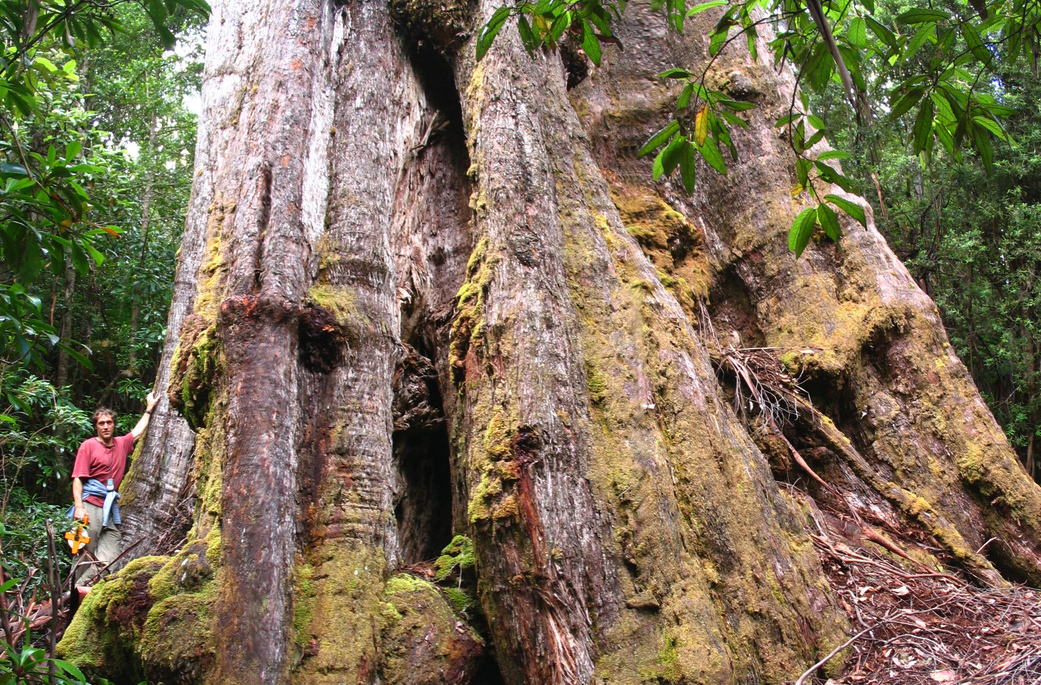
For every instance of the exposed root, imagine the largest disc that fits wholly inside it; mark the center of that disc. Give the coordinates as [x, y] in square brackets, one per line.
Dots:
[760, 374]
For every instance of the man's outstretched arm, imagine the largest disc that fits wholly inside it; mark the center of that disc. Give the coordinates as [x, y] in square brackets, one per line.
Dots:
[77, 499]
[142, 424]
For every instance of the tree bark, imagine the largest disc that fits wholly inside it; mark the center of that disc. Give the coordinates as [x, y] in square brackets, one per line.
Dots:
[62, 376]
[414, 284]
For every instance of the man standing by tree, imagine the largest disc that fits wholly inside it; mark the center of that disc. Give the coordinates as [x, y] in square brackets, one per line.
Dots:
[100, 465]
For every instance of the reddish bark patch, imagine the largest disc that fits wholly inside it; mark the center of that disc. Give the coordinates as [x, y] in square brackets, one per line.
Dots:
[131, 613]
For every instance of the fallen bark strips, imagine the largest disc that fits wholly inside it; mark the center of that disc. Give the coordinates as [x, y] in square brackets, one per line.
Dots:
[924, 628]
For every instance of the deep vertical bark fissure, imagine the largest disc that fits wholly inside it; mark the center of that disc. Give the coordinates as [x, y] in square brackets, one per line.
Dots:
[423, 492]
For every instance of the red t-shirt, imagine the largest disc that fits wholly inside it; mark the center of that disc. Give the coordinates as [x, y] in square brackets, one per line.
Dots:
[95, 460]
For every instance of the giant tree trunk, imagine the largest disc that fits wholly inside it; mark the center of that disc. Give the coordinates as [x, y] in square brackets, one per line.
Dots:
[421, 296]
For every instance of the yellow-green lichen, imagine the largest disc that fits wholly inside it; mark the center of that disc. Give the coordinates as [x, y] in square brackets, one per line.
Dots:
[467, 329]
[673, 244]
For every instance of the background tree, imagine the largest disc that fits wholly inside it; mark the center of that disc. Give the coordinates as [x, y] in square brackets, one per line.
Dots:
[66, 306]
[66, 198]
[967, 234]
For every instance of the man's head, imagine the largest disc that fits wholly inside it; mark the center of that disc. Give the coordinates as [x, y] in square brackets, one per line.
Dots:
[104, 423]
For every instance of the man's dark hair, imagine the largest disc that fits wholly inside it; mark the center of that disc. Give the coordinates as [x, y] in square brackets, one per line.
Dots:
[99, 412]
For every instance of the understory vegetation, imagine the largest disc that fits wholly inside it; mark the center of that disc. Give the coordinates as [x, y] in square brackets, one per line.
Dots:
[97, 132]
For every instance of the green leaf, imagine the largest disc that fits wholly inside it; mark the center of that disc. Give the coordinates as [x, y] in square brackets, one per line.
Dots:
[802, 171]
[710, 153]
[72, 150]
[659, 138]
[927, 32]
[909, 100]
[735, 105]
[490, 30]
[802, 229]
[947, 140]
[992, 126]
[79, 358]
[921, 16]
[850, 208]
[590, 43]
[70, 668]
[7, 169]
[31, 261]
[830, 175]
[526, 34]
[684, 100]
[46, 64]
[923, 126]
[732, 119]
[671, 155]
[883, 33]
[716, 42]
[942, 108]
[675, 73]
[984, 147]
[559, 25]
[829, 221]
[658, 168]
[98, 257]
[687, 165]
[79, 260]
[857, 32]
[833, 154]
[975, 43]
[698, 9]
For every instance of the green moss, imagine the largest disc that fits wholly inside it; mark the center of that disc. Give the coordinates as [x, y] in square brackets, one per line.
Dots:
[673, 244]
[338, 633]
[406, 582]
[194, 370]
[487, 489]
[698, 576]
[187, 571]
[670, 670]
[214, 267]
[340, 302]
[104, 637]
[595, 383]
[421, 638]
[178, 636]
[458, 554]
[490, 499]
[303, 600]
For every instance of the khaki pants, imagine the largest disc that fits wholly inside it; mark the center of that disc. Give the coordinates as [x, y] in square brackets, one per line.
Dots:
[104, 546]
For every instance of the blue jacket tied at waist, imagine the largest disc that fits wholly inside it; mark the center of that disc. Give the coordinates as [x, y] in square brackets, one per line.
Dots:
[95, 488]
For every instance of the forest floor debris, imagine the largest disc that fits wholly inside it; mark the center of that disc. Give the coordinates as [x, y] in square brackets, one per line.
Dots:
[930, 628]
